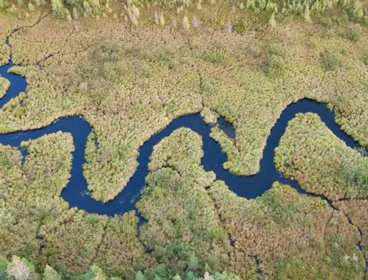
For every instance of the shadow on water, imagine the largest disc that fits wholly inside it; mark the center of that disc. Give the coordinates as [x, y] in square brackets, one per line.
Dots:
[77, 194]
[226, 127]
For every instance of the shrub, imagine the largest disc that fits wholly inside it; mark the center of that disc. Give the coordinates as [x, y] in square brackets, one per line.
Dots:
[272, 21]
[277, 49]
[3, 266]
[329, 61]
[275, 67]
[353, 35]
[365, 59]
[307, 15]
[215, 56]
[239, 27]
[4, 4]
[327, 22]
[58, 9]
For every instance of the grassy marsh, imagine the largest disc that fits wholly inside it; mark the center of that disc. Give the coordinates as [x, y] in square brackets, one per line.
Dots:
[247, 80]
[130, 81]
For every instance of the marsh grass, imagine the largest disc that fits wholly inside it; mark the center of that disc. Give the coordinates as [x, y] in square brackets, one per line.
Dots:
[4, 86]
[289, 233]
[310, 153]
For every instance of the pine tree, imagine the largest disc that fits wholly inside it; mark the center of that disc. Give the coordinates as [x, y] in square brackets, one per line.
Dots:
[140, 276]
[192, 262]
[186, 24]
[307, 15]
[58, 9]
[51, 274]
[272, 21]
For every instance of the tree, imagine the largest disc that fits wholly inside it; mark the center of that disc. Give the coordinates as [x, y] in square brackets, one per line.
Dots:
[140, 276]
[186, 24]
[3, 266]
[192, 262]
[20, 269]
[272, 21]
[307, 15]
[59, 10]
[51, 274]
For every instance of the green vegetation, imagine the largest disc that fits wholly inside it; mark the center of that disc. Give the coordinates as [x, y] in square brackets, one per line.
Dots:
[357, 211]
[245, 61]
[4, 86]
[60, 9]
[286, 231]
[183, 232]
[38, 224]
[329, 61]
[30, 191]
[132, 9]
[139, 77]
[22, 269]
[9, 23]
[293, 236]
[129, 85]
[269, 78]
[66, 9]
[311, 154]
[322, 164]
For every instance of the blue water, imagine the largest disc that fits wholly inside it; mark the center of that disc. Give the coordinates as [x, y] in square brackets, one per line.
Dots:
[18, 83]
[77, 194]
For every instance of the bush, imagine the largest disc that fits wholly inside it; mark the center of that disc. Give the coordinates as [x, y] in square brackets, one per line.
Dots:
[329, 61]
[365, 59]
[215, 56]
[353, 35]
[327, 22]
[58, 9]
[277, 49]
[275, 67]
[239, 27]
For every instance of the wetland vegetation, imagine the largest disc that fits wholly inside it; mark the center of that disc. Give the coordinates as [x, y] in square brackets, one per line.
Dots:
[4, 86]
[130, 68]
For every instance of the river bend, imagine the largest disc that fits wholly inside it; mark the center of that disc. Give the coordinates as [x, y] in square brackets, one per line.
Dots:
[77, 194]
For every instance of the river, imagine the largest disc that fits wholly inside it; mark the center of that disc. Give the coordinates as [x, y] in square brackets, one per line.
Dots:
[76, 192]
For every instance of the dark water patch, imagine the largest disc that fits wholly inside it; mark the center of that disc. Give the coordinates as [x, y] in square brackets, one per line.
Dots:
[259, 271]
[42, 244]
[232, 242]
[226, 127]
[24, 153]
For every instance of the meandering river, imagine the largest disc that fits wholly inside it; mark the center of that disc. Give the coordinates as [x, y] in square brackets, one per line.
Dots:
[76, 192]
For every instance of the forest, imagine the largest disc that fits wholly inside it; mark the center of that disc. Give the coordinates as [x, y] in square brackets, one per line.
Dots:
[130, 68]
